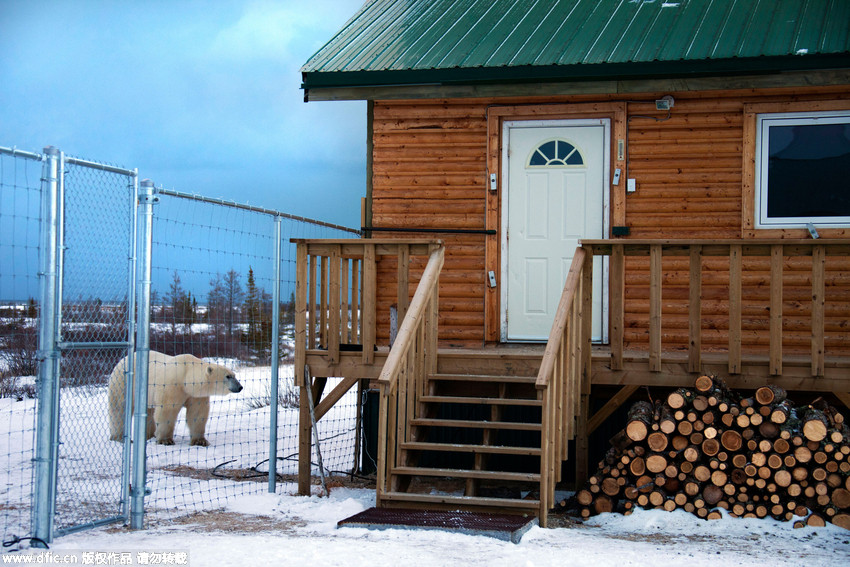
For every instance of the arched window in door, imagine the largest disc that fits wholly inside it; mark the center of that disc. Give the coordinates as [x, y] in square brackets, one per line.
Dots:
[555, 153]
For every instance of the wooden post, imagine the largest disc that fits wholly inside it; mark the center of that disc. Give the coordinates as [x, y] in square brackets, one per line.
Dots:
[585, 334]
[586, 320]
[323, 302]
[344, 307]
[368, 302]
[545, 458]
[735, 279]
[301, 283]
[305, 441]
[582, 445]
[356, 301]
[617, 267]
[403, 295]
[312, 313]
[695, 310]
[334, 307]
[381, 457]
[575, 366]
[818, 291]
[776, 258]
[655, 308]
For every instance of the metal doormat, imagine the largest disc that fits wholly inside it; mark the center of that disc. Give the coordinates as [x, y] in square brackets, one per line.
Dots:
[507, 527]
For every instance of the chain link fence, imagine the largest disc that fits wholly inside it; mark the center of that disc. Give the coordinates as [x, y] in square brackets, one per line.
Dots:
[222, 282]
[20, 205]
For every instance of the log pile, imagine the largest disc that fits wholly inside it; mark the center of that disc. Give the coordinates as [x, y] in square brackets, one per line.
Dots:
[708, 448]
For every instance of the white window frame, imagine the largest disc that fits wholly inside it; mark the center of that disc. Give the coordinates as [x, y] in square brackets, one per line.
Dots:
[763, 123]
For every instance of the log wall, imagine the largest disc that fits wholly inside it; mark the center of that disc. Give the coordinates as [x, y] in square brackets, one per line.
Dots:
[431, 159]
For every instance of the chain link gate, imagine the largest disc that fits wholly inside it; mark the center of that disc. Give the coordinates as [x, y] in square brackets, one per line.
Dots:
[88, 299]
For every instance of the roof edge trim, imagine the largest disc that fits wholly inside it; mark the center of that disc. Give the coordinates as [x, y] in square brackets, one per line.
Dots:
[560, 73]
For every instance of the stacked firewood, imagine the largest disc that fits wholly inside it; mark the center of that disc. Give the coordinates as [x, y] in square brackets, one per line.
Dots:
[708, 448]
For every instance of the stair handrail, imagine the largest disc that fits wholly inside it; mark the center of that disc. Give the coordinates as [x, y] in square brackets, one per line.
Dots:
[558, 381]
[402, 381]
[553, 344]
[413, 318]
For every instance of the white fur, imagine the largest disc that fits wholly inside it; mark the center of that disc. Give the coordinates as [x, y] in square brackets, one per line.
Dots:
[174, 382]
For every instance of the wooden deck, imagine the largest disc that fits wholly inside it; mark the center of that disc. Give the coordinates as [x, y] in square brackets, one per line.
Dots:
[418, 380]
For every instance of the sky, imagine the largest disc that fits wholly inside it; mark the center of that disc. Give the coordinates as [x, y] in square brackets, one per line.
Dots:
[201, 96]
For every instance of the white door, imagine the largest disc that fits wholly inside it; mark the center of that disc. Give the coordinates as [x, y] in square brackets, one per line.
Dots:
[555, 195]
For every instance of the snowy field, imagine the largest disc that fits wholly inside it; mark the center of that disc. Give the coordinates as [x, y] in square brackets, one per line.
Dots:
[181, 478]
[280, 529]
[223, 522]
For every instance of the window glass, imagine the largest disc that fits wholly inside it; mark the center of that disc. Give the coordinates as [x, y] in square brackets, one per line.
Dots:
[802, 170]
[555, 153]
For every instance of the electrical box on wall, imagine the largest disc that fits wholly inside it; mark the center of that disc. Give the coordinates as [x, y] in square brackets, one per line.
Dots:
[631, 186]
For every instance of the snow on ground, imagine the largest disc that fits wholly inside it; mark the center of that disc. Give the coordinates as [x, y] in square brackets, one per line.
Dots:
[221, 522]
[295, 531]
[180, 477]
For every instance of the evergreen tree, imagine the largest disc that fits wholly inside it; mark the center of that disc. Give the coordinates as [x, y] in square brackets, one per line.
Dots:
[224, 299]
[175, 302]
[258, 316]
[32, 309]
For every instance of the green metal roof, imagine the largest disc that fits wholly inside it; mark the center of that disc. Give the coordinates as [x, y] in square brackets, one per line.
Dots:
[403, 42]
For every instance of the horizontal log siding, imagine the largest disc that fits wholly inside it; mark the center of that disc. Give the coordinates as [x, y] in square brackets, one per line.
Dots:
[429, 166]
[429, 170]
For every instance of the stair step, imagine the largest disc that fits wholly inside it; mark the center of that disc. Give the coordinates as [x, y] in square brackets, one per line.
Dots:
[466, 473]
[512, 425]
[470, 448]
[482, 401]
[483, 378]
[514, 503]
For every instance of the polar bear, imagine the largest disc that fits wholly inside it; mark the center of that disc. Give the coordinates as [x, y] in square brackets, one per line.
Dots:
[174, 382]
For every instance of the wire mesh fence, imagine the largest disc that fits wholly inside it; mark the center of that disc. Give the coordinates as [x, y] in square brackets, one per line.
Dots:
[20, 202]
[213, 274]
[222, 312]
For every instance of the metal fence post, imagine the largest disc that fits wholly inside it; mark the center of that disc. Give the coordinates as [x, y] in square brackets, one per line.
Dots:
[147, 199]
[127, 455]
[275, 359]
[47, 429]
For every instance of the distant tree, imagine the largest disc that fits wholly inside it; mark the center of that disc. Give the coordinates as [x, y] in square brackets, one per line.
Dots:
[258, 316]
[287, 311]
[32, 309]
[155, 308]
[224, 298]
[179, 304]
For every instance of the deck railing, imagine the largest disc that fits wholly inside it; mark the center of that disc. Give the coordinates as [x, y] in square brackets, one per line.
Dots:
[564, 375]
[336, 294]
[336, 310]
[764, 296]
[403, 379]
[757, 302]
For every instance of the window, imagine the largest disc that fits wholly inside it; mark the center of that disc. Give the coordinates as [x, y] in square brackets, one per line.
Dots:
[555, 153]
[802, 167]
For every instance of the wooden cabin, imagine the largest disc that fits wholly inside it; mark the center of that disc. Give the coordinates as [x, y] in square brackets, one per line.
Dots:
[568, 200]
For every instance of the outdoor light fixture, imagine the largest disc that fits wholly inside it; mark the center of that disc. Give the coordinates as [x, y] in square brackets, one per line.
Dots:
[664, 103]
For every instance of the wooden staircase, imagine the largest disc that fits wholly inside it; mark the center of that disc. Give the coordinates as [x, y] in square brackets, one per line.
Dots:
[496, 443]
[468, 441]
[475, 445]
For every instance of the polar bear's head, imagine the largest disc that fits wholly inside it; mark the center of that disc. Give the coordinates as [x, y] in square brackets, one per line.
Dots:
[223, 380]
[207, 379]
